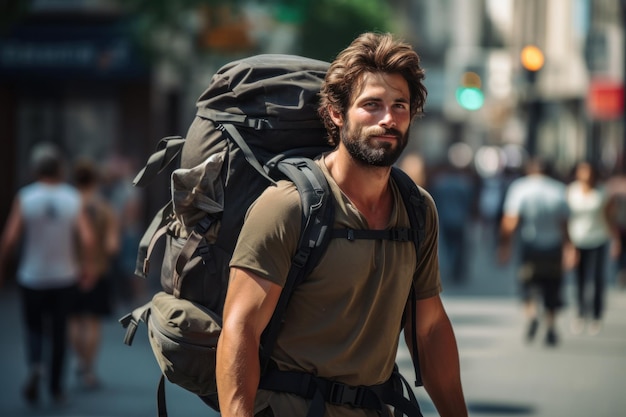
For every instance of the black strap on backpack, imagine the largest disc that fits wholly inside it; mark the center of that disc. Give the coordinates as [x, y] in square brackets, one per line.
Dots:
[416, 209]
[322, 391]
[317, 217]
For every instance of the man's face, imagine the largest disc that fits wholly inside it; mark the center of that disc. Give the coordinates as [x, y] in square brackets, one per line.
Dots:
[375, 130]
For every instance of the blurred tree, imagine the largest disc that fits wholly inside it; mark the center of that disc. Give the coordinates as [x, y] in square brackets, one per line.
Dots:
[325, 26]
[330, 25]
[163, 26]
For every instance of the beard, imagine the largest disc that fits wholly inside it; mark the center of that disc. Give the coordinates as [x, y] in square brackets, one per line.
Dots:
[367, 151]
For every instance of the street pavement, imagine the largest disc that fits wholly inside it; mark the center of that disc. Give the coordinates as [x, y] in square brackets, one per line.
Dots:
[502, 374]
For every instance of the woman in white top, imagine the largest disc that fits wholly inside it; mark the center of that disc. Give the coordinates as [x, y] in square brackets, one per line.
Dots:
[592, 232]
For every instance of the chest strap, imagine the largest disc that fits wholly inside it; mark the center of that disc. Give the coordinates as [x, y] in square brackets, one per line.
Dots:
[398, 234]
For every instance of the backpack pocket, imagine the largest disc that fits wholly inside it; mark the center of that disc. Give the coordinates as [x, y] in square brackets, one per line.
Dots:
[183, 336]
[201, 277]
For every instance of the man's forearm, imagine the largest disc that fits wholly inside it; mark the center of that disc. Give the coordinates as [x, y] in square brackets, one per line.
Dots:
[237, 371]
[439, 362]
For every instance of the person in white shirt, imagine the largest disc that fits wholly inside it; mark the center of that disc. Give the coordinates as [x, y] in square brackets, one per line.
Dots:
[47, 216]
[592, 231]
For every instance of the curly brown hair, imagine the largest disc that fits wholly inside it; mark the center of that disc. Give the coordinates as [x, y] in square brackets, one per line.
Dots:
[369, 53]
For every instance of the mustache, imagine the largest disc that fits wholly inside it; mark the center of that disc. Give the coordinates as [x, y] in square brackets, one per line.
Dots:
[381, 131]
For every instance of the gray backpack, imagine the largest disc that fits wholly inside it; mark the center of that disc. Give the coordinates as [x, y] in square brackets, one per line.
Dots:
[256, 123]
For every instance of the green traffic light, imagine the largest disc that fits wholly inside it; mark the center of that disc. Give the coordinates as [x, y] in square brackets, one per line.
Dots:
[470, 98]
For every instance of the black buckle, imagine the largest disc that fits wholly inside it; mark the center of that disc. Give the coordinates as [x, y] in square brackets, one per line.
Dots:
[400, 235]
[301, 257]
[260, 124]
[341, 394]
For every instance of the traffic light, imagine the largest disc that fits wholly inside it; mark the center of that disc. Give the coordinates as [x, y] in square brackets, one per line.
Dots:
[469, 94]
[532, 58]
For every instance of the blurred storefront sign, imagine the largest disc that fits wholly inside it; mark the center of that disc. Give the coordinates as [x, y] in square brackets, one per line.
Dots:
[605, 100]
[52, 51]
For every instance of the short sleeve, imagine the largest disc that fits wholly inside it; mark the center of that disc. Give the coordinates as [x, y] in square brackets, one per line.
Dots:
[270, 233]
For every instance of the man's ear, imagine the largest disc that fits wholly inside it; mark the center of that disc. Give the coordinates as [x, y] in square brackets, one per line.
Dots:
[335, 116]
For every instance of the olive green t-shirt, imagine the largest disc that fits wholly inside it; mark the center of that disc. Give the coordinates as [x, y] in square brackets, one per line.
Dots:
[344, 319]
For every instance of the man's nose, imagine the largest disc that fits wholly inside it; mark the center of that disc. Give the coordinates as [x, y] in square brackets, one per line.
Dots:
[388, 120]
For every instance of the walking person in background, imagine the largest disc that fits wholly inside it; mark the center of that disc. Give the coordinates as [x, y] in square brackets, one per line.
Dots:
[47, 215]
[93, 304]
[536, 206]
[453, 190]
[593, 232]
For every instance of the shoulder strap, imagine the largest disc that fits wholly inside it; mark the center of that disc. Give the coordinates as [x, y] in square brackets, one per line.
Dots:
[317, 218]
[414, 203]
[416, 209]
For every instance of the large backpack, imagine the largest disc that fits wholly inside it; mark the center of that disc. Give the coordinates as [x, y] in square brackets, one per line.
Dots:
[256, 123]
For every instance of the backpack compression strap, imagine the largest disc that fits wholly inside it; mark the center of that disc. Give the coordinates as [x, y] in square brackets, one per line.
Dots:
[229, 128]
[167, 150]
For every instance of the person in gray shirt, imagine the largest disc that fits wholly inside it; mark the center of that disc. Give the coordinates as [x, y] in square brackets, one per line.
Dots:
[536, 211]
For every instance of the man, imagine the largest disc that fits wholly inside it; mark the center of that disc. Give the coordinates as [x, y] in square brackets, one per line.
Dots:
[536, 205]
[342, 322]
[47, 215]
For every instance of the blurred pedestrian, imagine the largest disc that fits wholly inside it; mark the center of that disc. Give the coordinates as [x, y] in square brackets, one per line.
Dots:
[593, 232]
[453, 190]
[616, 187]
[46, 217]
[536, 210]
[93, 304]
[128, 206]
[492, 190]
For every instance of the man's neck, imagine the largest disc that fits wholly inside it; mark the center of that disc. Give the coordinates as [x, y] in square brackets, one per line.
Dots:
[367, 187]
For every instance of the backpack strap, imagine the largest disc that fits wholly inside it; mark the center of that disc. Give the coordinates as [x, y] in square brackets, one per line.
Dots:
[416, 209]
[317, 217]
[168, 149]
[398, 234]
[256, 123]
[131, 320]
[229, 128]
[234, 134]
[321, 391]
[156, 229]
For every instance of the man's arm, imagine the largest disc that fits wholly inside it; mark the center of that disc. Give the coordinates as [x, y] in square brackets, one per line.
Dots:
[508, 225]
[88, 248]
[250, 303]
[10, 236]
[438, 356]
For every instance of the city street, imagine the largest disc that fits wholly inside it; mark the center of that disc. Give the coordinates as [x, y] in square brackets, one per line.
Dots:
[502, 374]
